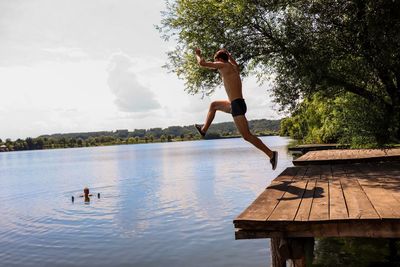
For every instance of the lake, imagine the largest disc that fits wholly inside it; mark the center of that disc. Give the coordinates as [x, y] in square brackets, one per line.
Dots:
[162, 204]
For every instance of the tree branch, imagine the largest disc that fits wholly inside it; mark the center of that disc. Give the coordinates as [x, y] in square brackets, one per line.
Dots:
[368, 95]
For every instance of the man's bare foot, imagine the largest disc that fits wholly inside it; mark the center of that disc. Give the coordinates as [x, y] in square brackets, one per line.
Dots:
[274, 159]
[198, 127]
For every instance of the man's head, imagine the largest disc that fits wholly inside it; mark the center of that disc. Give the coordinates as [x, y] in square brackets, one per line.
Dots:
[221, 54]
[86, 191]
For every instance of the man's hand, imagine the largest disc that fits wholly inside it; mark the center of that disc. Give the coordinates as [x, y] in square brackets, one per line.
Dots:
[200, 59]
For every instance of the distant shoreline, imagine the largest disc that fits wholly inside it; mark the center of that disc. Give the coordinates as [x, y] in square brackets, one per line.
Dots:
[139, 143]
[224, 130]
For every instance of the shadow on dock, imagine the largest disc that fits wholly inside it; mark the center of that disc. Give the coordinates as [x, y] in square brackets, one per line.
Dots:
[301, 193]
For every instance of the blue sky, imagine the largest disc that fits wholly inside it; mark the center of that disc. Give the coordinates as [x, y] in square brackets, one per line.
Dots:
[75, 66]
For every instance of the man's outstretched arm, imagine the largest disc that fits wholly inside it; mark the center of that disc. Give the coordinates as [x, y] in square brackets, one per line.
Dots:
[207, 64]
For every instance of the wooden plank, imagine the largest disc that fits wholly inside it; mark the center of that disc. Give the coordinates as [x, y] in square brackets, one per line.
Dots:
[288, 174]
[390, 179]
[340, 156]
[312, 191]
[289, 203]
[358, 204]
[387, 169]
[264, 204]
[384, 202]
[305, 156]
[303, 212]
[320, 205]
[352, 228]
[383, 191]
[311, 156]
[337, 204]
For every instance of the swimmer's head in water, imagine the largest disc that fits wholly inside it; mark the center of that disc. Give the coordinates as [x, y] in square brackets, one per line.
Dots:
[221, 54]
[86, 191]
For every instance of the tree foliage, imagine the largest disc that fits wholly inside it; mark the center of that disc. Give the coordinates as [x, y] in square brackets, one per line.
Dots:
[346, 119]
[355, 252]
[326, 46]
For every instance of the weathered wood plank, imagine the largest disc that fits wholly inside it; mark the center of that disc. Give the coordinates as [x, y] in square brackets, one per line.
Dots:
[358, 204]
[337, 204]
[304, 210]
[320, 205]
[313, 174]
[381, 190]
[361, 228]
[314, 147]
[341, 156]
[263, 206]
[290, 201]
[384, 203]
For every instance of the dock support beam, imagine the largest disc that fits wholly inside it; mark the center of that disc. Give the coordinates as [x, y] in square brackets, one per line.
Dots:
[299, 250]
[277, 258]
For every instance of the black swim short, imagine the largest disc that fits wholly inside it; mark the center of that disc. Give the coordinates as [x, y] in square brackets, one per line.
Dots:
[238, 107]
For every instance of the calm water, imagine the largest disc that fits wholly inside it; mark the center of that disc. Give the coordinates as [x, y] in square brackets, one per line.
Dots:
[167, 204]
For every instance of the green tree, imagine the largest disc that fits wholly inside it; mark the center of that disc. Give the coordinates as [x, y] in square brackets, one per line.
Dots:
[72, 142]
[9, 144]
[162, 138]
[91, 141]
[30, 143]
[79, 141]
[328, 46]
[63, 142]
[347, 118]
[39, 143]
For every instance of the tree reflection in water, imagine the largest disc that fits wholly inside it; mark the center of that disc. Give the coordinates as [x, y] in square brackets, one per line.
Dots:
[356, 252]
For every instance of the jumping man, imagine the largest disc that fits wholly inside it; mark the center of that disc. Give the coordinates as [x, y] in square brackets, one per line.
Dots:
[230, 74]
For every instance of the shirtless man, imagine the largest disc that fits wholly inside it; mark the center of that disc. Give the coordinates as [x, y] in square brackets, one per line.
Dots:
[230, 74]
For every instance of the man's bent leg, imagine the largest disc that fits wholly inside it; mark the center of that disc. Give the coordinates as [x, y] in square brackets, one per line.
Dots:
[221, 105]
[243, 127]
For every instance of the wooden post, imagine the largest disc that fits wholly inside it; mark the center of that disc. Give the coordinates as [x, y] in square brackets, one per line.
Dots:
[298, 250]
[309, 251]
[277, 259]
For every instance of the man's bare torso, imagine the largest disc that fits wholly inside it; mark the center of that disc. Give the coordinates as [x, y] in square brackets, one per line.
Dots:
[232, 82]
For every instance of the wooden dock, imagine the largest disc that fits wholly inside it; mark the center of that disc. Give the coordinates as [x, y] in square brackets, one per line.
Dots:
[360, 200]
[325, 198]
[314, 147]
[341, 156]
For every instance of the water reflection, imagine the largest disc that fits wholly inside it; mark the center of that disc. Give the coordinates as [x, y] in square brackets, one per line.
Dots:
[356, 252]
[169, 204]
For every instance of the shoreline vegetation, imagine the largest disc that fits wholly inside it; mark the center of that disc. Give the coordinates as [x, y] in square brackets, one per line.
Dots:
[221, 130]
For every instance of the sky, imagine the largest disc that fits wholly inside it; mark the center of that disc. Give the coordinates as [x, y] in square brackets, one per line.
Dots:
[96, 65]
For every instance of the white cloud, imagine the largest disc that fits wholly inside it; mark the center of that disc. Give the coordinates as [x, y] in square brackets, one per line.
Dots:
[72, 53]
[56, 73]
[131, 96]
[97, 27]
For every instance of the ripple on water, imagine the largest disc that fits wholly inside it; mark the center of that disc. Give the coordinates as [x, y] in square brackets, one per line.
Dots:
[161, 205]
